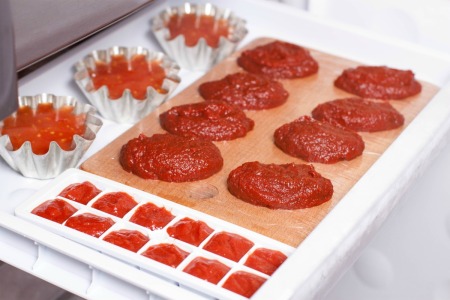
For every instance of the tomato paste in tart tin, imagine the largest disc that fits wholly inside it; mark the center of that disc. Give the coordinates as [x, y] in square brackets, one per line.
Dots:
[55, 159]
[198, 36]
[116, 81]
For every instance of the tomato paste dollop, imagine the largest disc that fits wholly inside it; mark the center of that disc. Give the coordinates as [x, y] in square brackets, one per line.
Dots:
[379, 82]
[56, 210]
[115, 203]
[359, 114]
[212, 120]
[151, 216]
[135, 74]
[229, 245]
[132, 240]
[210, 270]
[190, 231]
[90, 224]
[244, 283]
[285, 186]
[80, 192]
[279, 60]
[265, 260]
[193, 27]
[167, 254]
[316, 141]
[43, 125]
[171, 158]
[246, 90]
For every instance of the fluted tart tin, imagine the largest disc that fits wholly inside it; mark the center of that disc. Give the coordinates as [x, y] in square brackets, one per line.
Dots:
[126, 108]
[202, 55]
[56, 159]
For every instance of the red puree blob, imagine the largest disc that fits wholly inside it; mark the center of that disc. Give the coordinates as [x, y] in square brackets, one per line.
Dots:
[151, 216]
[90, 224]
[244, 283]
[167, 254]
[229, 245]
[316, 141]
[207, 269]
[115, 203]
[378, 82]
[246, 90]
[190, 231]
[212, 120]
[80, 192]
[265, 260]
[56, 210]
[135, 74]
[359, 114]
[42, 126]
[171, 158]
[194, 27]
[279, 60]
[287, 186]
[132, 240]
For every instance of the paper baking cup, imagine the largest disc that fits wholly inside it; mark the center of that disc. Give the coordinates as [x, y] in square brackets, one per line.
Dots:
[56, 160]
[200, 57]
[125, 109]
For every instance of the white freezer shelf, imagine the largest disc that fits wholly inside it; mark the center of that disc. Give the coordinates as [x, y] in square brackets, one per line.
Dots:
[408, 257]
[325, 254]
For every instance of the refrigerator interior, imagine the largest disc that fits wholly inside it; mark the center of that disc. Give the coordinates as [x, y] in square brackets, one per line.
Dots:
[373, 264]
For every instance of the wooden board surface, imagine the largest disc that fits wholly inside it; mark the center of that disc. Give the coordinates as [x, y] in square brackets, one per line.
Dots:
[211, 195]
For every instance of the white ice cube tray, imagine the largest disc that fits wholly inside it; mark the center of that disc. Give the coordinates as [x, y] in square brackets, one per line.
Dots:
[173, 275]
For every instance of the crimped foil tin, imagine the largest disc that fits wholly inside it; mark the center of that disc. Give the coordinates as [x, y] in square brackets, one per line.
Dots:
[200, 57]
[126, 109]
[56, 160]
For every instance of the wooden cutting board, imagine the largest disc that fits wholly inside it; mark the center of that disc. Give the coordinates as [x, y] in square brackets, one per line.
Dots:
[211, 195]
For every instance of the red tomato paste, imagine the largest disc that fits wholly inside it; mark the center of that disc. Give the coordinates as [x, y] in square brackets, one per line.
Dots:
[359, 114]
[287, 186]
[193, 27]
[244, 283]
[265, 260]
[207, 269]
[378, 82]
[151, 216]
[279, 60]
[246, 90]
[229, 245]
[212, 120]
[167, 254]
[56, 210]
[132, 240]
[80, 192]
[171, 158]
[135, 74]
[316, 141]
[115, 203]
[90, 224]
[190, 231]
[42, 126]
